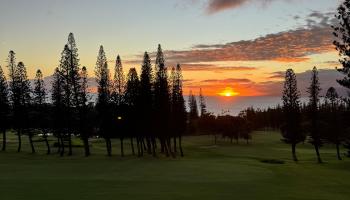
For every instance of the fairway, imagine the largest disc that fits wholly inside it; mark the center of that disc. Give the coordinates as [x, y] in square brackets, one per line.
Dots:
[222, 171]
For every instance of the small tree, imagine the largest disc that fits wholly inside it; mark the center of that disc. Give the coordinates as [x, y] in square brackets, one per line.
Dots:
[335, 132]
[291, 130]
[4, 107]
[314, 91]
[202, 104]
[39, 104]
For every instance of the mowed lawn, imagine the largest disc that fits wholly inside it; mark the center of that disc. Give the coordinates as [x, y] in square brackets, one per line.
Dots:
[224, 171]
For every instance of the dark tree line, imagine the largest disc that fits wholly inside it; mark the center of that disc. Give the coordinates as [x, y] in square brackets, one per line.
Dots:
[149, 110]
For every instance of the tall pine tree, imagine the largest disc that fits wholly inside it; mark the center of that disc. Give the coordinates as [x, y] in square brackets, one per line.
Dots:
[103, 100]
[314, 92]
[118, 82]
[291, 130]
[4, 107]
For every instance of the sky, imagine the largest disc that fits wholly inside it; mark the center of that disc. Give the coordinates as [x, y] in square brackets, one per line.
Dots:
[240, 46]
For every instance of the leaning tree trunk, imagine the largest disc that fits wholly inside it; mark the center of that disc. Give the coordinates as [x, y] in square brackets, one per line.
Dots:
[47, 144]
[338, 151]
[132, 146]
[294, 153]
[317, 149]
[30, 136]
[19, 140]
[149, 147]
[4, 140]
[180, 146]
[108, 146]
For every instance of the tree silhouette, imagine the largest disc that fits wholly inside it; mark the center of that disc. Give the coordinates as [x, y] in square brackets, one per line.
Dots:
[39, 99]
[341, 33]
[57, 97]
[146, 107]
[336, 133]
[202, 104]
[132, 100]
[291, 130]
[4, 107]
[162, 102]
[314, 91]
[103, 100]
[83, 111]
[118, 82]
[178, 109]
[20, 98]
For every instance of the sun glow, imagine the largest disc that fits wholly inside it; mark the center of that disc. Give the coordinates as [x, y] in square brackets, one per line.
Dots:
[228, 92]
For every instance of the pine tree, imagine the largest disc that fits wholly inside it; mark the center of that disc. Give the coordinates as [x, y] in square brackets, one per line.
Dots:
[178, 107]
[39, 89]
[314, 91]
[192, 104]
[341, 33]
[291, 131]
[162, 101]
[57, 97]
[103, 100]
[4, 107]
[39, 105]
[70, 71]
[118, 82]
[84, 131]
[335, 132]
[146, 108]
[132, 99]
[202, 104]
[21, 99]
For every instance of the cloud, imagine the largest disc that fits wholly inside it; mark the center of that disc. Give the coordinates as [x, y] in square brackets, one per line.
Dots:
[215, 68]
[228, 81]
[288, 46]
[215, 6]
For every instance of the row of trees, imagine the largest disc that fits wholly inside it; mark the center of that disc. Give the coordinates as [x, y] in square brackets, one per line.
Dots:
[146, 108]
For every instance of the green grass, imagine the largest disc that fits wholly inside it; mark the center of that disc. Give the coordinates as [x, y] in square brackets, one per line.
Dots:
[222, 172]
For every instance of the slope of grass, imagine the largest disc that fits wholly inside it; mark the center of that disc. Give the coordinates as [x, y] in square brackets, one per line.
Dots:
[222, 171]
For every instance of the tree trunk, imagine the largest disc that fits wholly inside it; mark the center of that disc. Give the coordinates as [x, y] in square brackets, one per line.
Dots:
[86, 146]
[58, 144]
[338, 152]
[122, 147]
[319, 160]
[154, 148]
[180, 146]
[30, 136]
[215, 139]
[108, 146]
[19, 140]
[47, 145]
[70, 150]
[4, 140]
[294, 153]
[132, 146]
[149, 147]
[62, 146]
[175, 145]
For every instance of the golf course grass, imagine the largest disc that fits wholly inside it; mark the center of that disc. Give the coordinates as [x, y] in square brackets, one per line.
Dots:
[222, 171]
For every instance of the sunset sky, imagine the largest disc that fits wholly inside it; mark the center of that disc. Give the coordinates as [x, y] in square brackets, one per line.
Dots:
[239, 45]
